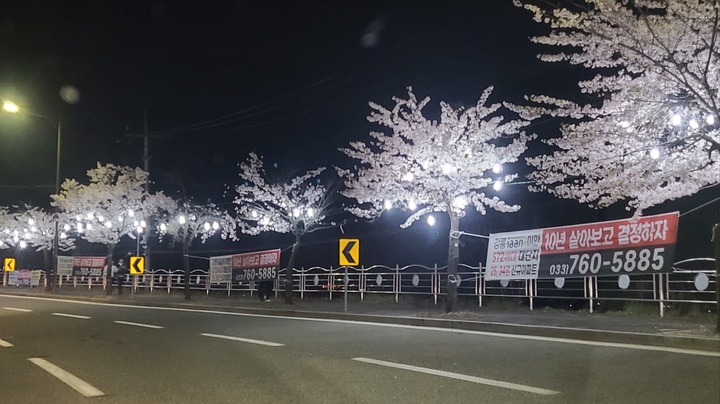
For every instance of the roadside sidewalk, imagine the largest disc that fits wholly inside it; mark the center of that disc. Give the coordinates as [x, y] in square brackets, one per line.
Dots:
[672, 331]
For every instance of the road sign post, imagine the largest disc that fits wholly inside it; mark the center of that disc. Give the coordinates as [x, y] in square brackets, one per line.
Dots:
[349, 255]
[137, 267]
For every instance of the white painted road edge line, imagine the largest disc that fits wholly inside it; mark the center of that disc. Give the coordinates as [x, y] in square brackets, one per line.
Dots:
[5, 344]
[682, 351]
[79, 385]
[459, 376]
[138, 324]
[251, 341]
[71, 315]
[17, 309]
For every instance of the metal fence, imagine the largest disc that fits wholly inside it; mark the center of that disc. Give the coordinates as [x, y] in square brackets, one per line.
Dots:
[694, 286]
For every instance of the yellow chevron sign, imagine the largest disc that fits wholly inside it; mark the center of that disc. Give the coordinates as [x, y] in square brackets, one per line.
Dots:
[349, 252]
[137, 265]
[9, 264]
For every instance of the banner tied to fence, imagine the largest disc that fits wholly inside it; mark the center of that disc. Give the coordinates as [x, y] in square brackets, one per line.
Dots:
[630, 246]
[252, 266]
[81, 266]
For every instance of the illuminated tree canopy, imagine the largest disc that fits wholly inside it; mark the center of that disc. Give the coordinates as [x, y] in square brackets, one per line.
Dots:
[653, 133]
[426, 166]
[296, 205]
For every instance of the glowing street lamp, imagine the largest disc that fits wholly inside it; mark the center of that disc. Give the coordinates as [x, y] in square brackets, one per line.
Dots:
[11, 107]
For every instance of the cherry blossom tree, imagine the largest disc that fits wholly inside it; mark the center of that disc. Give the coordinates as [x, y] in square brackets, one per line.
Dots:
[7, 228]
[652, 132]
[37, 228]
[112, 205]
[191, 221]
[426, 166]
[299, 205]
[33, 227]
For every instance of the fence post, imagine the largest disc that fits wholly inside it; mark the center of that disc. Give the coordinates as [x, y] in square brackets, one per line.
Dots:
[435, 284]
[661, 294]
[169, 280]
[397, 283]
[528, 291]
[303, 279]
[481, 280]
[715, 240]
[361, 283]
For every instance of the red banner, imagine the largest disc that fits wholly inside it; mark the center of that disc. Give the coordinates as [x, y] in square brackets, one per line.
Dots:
[258, 259]
[256, 266]
[628, 233]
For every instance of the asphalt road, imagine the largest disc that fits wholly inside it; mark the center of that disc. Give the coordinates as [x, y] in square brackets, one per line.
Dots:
[130, 354]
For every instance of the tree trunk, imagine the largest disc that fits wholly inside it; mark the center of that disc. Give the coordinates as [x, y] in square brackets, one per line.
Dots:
[452, 265]
[186, 265]
[716, 249]
[289, 271]
[47, 258]
[108, 265]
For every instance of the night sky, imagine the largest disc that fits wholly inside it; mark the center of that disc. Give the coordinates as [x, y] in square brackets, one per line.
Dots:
[289, 80]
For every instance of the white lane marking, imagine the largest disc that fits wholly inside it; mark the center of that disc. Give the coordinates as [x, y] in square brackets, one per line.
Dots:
[251, 341]
[138, 324]
[71, 380]
[5, 344]
[71, 315]
[459, 376]
[17, 309]
[682, 351]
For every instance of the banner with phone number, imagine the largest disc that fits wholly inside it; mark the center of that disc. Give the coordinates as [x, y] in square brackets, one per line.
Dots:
[81, 266]
[629, 246]
[256, 266]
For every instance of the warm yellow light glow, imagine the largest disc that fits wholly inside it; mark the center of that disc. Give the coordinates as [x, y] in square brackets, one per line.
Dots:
[10, 106]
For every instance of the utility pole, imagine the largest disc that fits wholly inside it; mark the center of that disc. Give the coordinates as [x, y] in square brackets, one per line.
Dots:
[146, 163]
[146, 166]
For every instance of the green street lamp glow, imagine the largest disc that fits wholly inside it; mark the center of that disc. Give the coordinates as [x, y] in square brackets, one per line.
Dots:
[10, 106]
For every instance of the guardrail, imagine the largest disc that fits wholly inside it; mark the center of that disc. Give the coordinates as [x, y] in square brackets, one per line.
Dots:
[688, 286]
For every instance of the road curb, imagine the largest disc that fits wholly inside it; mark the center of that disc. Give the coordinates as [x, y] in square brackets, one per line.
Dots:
[616, 337]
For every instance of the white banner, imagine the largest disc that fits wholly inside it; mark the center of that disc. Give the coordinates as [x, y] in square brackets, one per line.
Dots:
[514, 255]
[221, 269]
[64, 266]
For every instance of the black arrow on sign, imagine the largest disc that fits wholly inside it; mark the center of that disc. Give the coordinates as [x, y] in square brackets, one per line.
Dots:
[135, 265]
[346, 251]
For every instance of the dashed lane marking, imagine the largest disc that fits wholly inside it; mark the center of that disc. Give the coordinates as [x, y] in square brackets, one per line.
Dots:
[459, 376]
[71, 315]
[71, 380]
[138, 324]
[248, 340]
[17, 309]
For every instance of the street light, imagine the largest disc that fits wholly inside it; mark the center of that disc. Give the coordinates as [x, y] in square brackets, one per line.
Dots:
[11, 107]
